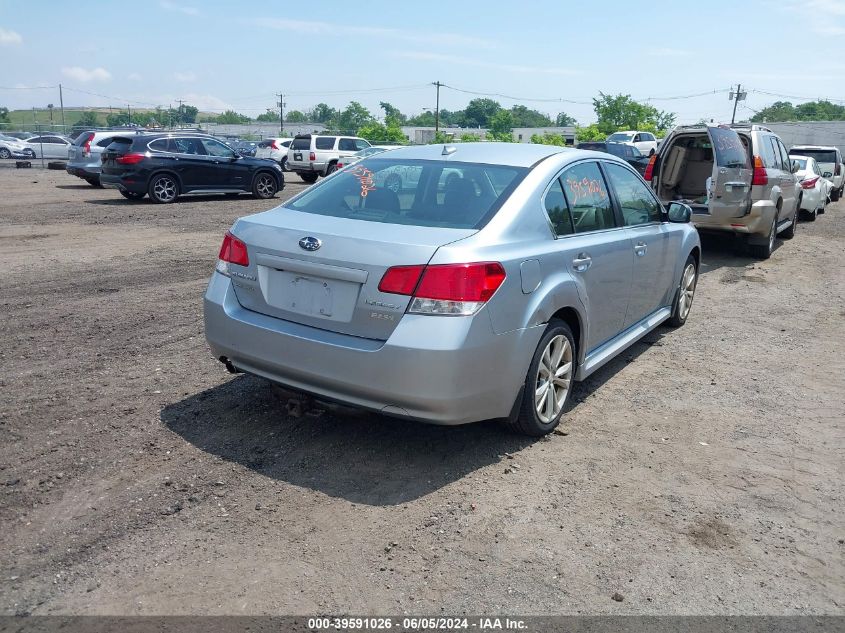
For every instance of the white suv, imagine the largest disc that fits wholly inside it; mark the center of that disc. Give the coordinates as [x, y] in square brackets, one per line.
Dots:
[829, 159]
[275, 149]
[646, 142]
[313, 155]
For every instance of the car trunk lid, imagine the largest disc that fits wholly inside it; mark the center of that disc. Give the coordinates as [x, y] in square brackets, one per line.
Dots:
[119, 146]
[325, 272]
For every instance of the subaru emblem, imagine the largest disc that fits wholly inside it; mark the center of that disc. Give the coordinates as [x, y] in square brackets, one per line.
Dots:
[310, 243]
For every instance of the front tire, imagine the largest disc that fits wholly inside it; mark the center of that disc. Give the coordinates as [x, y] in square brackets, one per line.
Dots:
[264, 186]
[163, 189]
[548, 384]
[685, 293]
[5, 153]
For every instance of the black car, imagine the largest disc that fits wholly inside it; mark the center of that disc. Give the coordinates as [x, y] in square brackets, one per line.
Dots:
[628, 153]
[166, 166]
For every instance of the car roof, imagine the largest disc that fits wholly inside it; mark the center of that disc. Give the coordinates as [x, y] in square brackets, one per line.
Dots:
[824, 147]
[515, 154]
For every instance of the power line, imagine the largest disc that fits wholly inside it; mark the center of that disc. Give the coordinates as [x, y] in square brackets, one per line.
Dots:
[783, 96]
[512, 98]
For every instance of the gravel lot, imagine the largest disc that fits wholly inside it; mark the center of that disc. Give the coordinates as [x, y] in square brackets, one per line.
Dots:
[699, 473]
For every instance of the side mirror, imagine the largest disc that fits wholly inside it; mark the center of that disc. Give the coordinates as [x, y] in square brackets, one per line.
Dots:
[827, 174]
[679, 212]
[795, 166]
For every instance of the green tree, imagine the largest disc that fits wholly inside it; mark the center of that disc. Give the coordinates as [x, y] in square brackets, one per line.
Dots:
[4, 115]
[189, 113]
[548, 139]
[525, 117]
[423, 119]
[621, 112]
[479, 112]
[87, 121]
[230, 117]
[564, 120]
[470, 138]
[392, 114]
[811, 111]
[353, 117]
[295, 116]
[590, 132]
[271, 116]
[500, 126]
[321, 113]
[377, 133]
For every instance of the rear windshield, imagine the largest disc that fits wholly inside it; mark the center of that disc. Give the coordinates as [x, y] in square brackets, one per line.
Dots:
[619, 136]
[82, 138]
[821, 155]
[802, 162]
[730, 152]
[415, 192]
[301, 143]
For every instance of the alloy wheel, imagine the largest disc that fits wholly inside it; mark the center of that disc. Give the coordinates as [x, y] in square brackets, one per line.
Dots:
[688, 282]
[5, 153]
[165, 189]
[554, 377]
[266, 186]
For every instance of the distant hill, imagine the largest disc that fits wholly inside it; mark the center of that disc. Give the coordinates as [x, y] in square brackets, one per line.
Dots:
[28, 118]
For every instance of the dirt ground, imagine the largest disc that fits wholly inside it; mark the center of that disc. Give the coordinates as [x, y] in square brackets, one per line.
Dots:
[701, 472]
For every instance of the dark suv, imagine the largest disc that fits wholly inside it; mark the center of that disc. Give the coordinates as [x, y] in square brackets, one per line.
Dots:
[166, 166]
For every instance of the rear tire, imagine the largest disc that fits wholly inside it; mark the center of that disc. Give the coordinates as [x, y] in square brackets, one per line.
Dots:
[132, 195]
[789, 233]
[835, 194]
[94, 182]
[308, 176]
[684, 294]
[332, 168]
[163, 189]
[764, 251]
[264, 186]
[542, 401]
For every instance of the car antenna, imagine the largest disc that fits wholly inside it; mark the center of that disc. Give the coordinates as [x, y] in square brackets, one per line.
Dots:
[449, 149]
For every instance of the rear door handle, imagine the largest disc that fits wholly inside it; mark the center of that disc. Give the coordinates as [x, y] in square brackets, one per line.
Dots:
[640, 248]
[582, 262]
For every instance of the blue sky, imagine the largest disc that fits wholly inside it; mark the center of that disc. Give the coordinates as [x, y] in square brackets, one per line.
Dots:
[218, 54]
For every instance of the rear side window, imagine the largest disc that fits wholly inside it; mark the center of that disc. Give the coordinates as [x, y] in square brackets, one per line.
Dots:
[558, 210]
[159, 145]
[105, 142]
[589, 201]
[413, 192]
[635, 199]
[300, 143]
[729, 150]
[347, 145]
[264, 144]
[324, 142]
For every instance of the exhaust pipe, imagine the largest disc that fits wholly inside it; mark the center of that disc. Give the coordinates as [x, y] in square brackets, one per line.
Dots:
[229, 366]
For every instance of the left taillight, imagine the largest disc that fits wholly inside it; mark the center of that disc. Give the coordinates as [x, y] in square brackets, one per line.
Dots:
[649, 169]
[130, 159]
[273, 145]
[232, 251]
[445, 289]
[809, 183]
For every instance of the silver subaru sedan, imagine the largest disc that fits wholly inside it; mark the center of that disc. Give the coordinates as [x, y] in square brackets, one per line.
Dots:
[493, 277]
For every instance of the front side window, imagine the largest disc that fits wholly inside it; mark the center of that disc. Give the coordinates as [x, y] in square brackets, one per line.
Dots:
[361, 144]
[185, 146]
[324, 142]
[784, 156]
[558, 210]
[635, 199]
[589, 201]
[413, 192]
[216, 148]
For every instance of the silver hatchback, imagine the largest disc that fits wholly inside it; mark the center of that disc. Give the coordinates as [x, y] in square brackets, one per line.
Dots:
[487, 284]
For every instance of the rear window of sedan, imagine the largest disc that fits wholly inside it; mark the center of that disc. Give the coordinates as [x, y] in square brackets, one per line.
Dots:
[821, 155]
[443, 194]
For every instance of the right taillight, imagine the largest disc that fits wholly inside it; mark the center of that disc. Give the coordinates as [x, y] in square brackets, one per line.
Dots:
[446, 289]
[130, 159]
[312, 156]
[761, 176]
[648, 174]
[232, 251]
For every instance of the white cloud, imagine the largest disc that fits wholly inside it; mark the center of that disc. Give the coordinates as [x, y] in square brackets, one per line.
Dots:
[467, 61]
[668, 52]
[134, 77]
[85, 75]
[328, 28]
[9, 38]
[171, 6]
[186, 76]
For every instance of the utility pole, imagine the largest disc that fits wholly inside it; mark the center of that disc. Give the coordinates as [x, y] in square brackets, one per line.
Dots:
[129, 110]
[736, 97]
[62, 106]
[180, 112]
[281, 105]
[170, 115]
[437, 108]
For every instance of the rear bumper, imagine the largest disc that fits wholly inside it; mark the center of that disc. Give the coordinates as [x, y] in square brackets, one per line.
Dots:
[83, 171]
[443, 370]
[756, 222]
[112, 181]
[319, 168]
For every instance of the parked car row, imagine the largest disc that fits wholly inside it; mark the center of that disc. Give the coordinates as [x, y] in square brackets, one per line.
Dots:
[34, 146]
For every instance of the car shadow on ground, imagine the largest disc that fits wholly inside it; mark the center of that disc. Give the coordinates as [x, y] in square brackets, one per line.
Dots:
[80, 186]
[726, 251]
[181, 200]
[362, 457]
